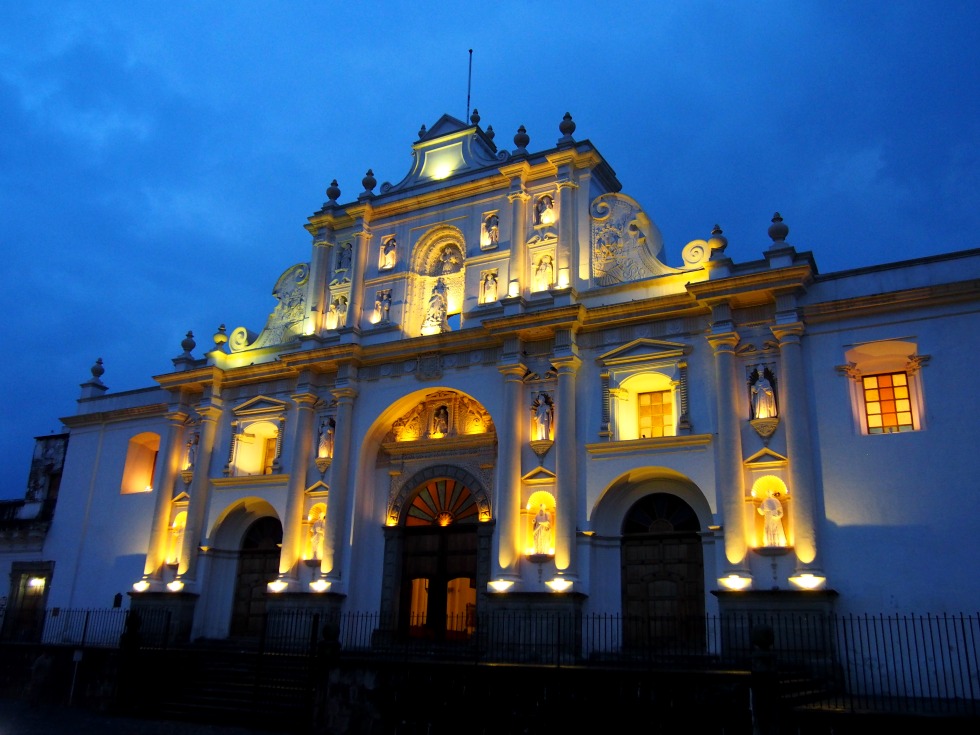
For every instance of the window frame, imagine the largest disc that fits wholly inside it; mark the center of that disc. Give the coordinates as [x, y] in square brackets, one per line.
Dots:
[884, 357]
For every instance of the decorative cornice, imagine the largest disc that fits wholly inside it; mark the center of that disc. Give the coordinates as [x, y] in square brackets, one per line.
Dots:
[655, 444]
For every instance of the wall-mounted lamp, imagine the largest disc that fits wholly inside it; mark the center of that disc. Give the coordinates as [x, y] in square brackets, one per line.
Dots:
[500, 585]
[559, 584]
[319, 585]
[277, 585]
[735, 582]
[142, 586]
[175, 586]
[808, 581]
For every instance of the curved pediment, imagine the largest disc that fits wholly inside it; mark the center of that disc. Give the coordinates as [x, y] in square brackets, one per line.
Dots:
[450, 148]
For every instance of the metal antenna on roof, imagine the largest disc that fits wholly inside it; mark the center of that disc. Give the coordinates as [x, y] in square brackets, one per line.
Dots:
[469, 81]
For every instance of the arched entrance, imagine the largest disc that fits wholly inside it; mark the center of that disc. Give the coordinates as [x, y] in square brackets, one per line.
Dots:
[258, 564]
[437, 596]
[662, 566]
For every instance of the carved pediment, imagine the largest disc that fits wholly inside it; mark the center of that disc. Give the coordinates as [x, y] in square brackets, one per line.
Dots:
[766, 458]
[644, 350]
[539, 476]
[260, 406]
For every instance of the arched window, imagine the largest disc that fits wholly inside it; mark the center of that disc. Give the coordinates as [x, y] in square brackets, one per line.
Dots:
[141, 463]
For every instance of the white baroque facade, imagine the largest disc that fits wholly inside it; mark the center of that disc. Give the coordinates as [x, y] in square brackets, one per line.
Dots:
[487, 389]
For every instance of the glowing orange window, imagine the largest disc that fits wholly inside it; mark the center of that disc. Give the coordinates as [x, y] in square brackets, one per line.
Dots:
[887, 403]
[655, 413]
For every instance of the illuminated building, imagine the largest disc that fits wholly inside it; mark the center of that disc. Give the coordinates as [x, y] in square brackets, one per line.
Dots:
[488, 388]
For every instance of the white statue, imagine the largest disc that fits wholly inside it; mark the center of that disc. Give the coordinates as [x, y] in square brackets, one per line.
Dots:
[325, 442]
[544, 414]
[317, 532]
[388, 253]
[544, 274]
[542, 531]
[489, 287]
[763, 397]
[436, 320]
[772, 511]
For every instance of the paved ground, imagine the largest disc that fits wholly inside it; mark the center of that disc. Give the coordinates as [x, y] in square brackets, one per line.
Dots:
[18, 717]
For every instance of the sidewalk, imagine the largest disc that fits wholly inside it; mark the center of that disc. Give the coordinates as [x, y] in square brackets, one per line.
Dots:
[18, 717]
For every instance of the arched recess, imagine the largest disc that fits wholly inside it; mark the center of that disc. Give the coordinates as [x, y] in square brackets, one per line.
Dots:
[437, 555]
[658, 517]
[438, 281]
[243, 549]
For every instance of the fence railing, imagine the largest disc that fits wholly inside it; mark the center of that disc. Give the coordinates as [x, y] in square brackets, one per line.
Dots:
[859, 660]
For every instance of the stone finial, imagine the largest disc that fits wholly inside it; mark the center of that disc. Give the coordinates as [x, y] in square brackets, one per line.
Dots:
[221, 336]
[369, 182]
[490, 132]
[94, 387]
[422, 132]
[333, 192]
[566, 127]
[717, 241]
[188, 344]
[98, 371]
[521, 140]
[777, 230]
[475, 117]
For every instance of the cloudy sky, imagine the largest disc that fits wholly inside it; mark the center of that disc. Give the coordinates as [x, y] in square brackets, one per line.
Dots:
[158, 159]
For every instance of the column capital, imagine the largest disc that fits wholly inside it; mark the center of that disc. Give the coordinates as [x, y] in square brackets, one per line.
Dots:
[514, 371]
[178, 416]
[305, 399]
[211, 411]
[788, 333]
[723, 342]
[567, 365]
[344, 395]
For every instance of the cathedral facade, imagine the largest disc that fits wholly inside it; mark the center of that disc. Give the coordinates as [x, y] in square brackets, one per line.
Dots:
[487, 389]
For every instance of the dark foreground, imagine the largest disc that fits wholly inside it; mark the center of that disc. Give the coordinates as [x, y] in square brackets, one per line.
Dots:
[18, 717]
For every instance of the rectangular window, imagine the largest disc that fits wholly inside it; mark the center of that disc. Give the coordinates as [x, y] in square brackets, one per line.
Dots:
[655, 411]
[887, 403]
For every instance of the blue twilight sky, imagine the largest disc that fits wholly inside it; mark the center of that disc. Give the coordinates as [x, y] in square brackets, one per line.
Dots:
[158, 159]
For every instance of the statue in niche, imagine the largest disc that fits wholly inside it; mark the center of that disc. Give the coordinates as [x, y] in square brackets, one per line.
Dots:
[318, 524]
[324, 446]
[338, 310]
[440, 421]
[388, 254]
[772, 512]
[763, 396]
[543, 410]
[544, 211]
[176, 541]
[382, 306]
[192, 445]
[491, 231]
[448, 260]
[344, 257]
[489, 287]
[544, 273]
[542, 531]
[436, 320]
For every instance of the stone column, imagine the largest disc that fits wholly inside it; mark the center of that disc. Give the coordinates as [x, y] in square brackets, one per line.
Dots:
[359, 258]
[566, 459]
[211, 412]
[302, 440]
[567, 235]
[171, 455]
[341, 487]
[518, 198]
[319, 276]
[728, 453]
[507, 497]
[794, 416]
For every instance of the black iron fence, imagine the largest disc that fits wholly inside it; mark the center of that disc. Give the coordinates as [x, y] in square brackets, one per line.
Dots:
[855, 660]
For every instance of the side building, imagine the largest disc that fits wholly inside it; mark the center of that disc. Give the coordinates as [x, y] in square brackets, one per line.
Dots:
[487, 390]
